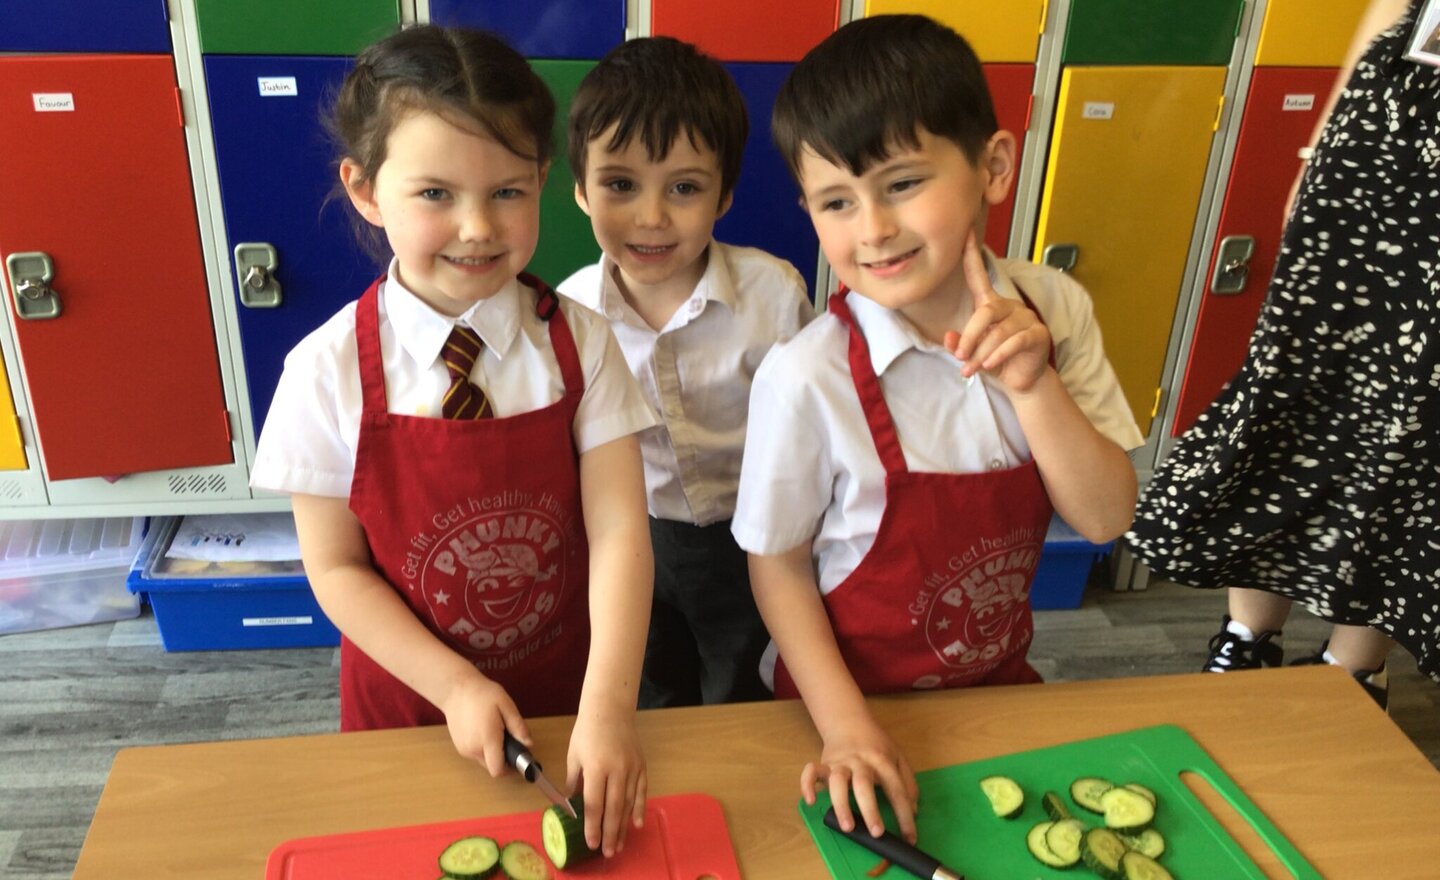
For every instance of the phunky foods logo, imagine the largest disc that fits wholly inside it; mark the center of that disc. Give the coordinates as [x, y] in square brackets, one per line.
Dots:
[974, 613]
[493, 578]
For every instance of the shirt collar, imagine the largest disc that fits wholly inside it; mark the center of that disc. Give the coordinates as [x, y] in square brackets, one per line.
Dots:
[422, 331]
[716, 284]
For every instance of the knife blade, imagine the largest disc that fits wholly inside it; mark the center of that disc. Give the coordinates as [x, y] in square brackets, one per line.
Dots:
[894, 848]
[519, 757]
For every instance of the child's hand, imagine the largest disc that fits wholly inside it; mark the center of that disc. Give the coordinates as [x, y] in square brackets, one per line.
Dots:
[1002, 337]
[854, 762]
[607, 766]
[478, 713]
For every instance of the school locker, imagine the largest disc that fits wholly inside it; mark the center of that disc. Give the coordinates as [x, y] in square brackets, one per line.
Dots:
[1192, 32]
[294, 258]
[1123, 183]
[84, 26]
[12, 447]
[549, 29]
[999, 32]
[101, 245]
[1010, 88]
[566, 242]
[1307, 33]
[1280, 114]
[293, 27]
[766, 212]
[747, 30]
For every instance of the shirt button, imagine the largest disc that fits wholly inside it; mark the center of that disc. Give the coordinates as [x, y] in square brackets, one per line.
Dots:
[996, 464]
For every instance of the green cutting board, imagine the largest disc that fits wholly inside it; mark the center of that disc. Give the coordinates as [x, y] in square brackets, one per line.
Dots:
[957, 826]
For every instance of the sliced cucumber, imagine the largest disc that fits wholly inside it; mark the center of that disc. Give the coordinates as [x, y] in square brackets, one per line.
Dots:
[1035, 842]
[1126, 810]
[1142, 790]
[1148, 842]
[1086, 791]
[1063, 839]
[1006, 797]
[1101, 849]
[520, 861]
[564, 837]
[471, 858]
[1138, 866]
[1054, 807]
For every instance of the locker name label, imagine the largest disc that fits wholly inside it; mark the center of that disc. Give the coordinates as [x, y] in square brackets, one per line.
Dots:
[1099, 110]
[271, 86]
[1299, 102]
[54, 102]
[304, 620]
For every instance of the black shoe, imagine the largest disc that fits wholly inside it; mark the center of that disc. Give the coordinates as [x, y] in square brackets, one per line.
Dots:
[1229, 652]
[1380, 693]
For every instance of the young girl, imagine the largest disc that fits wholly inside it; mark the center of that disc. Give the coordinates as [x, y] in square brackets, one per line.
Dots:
[460, 444]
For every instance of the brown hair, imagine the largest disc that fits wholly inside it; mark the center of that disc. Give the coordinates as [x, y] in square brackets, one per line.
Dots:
[657, 88]
[471, 77]
[871, 86]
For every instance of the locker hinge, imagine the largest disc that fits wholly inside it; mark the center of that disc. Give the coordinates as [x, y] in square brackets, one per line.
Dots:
[229, 436]
[179, 107]
[1159, 398]
[1219, 111]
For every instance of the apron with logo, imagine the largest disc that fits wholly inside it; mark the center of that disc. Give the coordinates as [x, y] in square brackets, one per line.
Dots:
[942, 599]
[477, 525]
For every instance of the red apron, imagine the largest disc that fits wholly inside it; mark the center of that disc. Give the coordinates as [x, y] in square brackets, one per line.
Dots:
[942, 599]
[477, 525]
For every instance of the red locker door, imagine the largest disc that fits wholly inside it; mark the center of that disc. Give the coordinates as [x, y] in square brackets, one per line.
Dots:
[1280, 115]
[1010, 86]
[748, 30]
[126, 376]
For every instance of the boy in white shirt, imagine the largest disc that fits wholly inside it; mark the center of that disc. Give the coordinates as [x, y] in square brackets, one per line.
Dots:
[655, 140]
[906, 450]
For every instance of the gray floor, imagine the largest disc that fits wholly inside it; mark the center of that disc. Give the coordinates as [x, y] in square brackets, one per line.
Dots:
[69, 698]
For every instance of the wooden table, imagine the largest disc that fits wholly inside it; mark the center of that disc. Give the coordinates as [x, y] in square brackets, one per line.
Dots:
[1317, 756]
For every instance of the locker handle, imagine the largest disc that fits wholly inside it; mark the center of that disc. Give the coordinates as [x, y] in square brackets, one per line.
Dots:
[255, 265]
[1061, 256]
[30, 275]
[1232, 265]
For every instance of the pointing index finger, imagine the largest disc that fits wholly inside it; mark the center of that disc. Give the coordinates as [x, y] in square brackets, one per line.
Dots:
[977, 278]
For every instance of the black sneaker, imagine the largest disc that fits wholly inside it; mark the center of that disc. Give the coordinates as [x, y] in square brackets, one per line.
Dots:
[1229, 652]
[1378, 691]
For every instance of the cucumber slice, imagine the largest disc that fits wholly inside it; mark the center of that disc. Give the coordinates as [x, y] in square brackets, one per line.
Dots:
[1035, 842]
[1138, 866]
[1101, 849]
[471, 858]
[1148, 842]
[1063, 839]
[1086, 791]
[1054, 807]
[1142, 790]
[1127, 811]
[520, 861]
[564, 837]
[1005, 795]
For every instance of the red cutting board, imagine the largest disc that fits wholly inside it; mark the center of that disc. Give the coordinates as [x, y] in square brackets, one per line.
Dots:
[684, 837]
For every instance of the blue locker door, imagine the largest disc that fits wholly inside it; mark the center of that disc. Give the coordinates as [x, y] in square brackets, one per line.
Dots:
[140, 26]
[575, 29]
[276, 171]
[766, 212]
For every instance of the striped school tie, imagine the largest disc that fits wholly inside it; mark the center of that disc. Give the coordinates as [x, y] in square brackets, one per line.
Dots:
[463, 400]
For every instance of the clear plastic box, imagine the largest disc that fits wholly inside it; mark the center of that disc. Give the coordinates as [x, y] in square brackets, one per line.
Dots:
[66, 572]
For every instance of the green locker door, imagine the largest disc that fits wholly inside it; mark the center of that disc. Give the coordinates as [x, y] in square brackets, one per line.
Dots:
[999, 32]
[1123, 184]
[1151, 31]
[566, 242]
[293, 27]
[1307, 33]
[12, 450]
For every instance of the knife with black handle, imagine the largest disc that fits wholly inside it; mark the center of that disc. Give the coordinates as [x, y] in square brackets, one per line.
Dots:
[894, 848]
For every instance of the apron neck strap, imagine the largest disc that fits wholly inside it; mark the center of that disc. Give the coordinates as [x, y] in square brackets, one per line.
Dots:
[367, 344]
[867, 386]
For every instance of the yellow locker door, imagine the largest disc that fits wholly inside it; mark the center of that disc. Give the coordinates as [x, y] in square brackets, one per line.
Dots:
[1127, 163]
[1307, 33]
[999, 32]
[12, 450]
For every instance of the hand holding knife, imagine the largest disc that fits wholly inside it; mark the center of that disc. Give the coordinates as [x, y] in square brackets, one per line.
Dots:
[895, 849]
[519, 757]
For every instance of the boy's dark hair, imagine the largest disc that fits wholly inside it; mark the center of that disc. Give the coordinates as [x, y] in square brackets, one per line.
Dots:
[658, 88]
[471, 77]
[872, 84]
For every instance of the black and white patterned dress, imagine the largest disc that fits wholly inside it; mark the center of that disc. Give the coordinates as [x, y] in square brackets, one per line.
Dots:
[1315, 475]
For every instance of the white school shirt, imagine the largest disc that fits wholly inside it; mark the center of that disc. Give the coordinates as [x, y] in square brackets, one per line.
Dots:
[311, 432]
[811, 469]
[696, 371]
